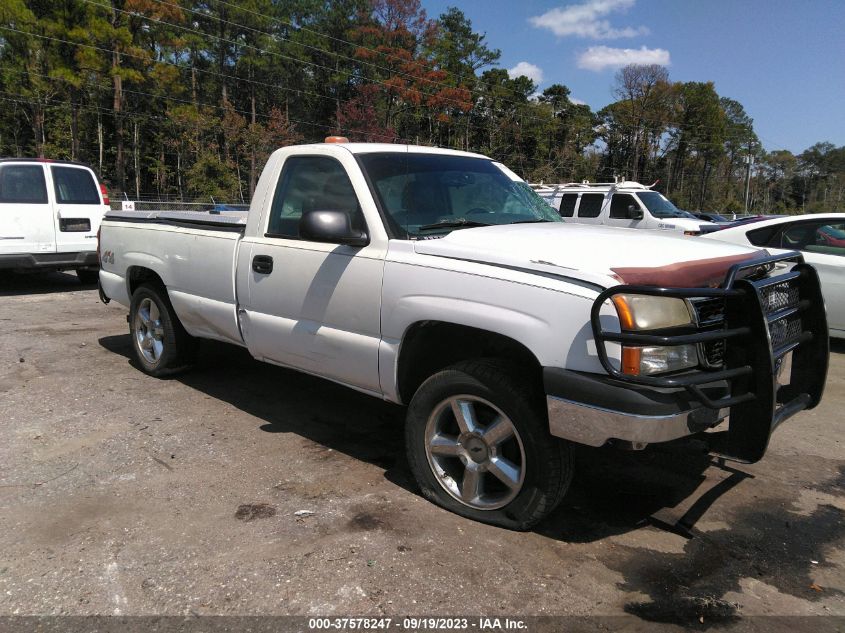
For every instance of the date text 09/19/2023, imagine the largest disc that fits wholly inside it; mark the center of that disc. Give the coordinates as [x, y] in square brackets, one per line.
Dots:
[417, 623]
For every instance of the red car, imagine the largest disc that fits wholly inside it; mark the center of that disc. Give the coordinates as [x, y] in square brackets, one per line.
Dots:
[829, 236]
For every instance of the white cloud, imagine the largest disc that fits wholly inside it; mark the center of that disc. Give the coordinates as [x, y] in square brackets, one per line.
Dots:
[584, 20]
[532, 71]
[598, 58]
[577, 101]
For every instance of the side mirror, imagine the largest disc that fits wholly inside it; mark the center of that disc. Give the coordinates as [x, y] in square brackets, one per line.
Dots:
[330, 226]
[634, 212]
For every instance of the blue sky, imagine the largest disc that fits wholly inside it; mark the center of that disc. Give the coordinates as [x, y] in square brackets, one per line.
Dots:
[783, 60]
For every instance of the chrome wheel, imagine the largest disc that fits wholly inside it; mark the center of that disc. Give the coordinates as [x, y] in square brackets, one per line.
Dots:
[149, 332]
[475, 452]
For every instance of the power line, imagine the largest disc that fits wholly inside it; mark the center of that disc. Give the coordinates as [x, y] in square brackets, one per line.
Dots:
[275, 53]
[309, 46]
[467, 124]
[347, 42]
[523, 117]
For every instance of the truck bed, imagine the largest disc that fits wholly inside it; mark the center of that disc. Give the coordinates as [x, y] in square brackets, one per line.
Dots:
[193, 252]
[226, 220]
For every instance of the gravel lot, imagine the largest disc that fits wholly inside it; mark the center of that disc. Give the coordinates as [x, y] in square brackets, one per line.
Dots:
[123, 494]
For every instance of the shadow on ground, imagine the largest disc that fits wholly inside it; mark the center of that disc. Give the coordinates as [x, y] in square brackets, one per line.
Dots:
[13, 284]
[613, 492]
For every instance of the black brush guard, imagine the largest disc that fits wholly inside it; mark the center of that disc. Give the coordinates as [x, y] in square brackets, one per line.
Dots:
[764, 320]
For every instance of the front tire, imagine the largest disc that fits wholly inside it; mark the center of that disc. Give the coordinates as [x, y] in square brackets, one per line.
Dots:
[162, 346]
[478, 445]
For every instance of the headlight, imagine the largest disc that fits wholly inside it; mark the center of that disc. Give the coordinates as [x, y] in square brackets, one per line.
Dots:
[637, 361]
[646, 312]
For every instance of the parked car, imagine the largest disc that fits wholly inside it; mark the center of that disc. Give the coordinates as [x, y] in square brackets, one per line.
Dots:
[50, 212]
[720, 226]
[439, 280]
[819, 237]
[623, 204]
[709, 217]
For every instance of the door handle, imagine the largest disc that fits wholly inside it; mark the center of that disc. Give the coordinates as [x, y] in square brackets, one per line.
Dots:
[262, 264]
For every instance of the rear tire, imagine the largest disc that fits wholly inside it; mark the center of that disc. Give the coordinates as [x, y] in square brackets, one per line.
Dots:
[88, 277]
[478, 444]
[162, 346]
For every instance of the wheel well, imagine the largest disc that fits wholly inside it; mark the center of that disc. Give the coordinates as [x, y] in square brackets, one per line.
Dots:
[138, 275]
[430, 346]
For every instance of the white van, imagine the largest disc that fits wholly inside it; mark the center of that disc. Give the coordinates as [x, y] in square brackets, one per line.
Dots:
[50, 212]
[626, 204]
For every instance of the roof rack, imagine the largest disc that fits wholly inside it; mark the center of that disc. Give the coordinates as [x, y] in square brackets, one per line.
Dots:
[619, 184]
[56, 161]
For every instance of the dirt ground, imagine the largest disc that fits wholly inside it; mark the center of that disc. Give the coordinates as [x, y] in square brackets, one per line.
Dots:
[243, 488]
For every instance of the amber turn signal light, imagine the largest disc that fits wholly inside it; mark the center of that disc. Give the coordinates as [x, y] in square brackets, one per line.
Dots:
[631, 360]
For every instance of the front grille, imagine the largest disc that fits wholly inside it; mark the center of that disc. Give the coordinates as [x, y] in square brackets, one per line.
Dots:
[785, 331]
[709, 311]
[710, 315]
[777, 298]
[748, 328]
[713, 355]
[780, 296]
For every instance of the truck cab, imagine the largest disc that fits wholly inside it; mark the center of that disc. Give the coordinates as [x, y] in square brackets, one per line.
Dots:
[50, 212]
[624, 204]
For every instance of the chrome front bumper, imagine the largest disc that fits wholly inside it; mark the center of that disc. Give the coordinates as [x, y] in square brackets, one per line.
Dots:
[596, 426]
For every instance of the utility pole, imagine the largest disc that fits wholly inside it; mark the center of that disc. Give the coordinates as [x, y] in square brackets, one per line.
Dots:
[749, 160]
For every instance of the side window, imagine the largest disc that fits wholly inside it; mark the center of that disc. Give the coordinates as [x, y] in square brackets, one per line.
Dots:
[619, 206]
[75, 186]
[815, 237]
[830, 239]
[767, 236]
[798, 237]
[23, 184]
[590, 206]
[311, 183]
[567, 204]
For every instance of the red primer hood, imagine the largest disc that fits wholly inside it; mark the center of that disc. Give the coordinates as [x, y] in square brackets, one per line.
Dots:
[701, 273]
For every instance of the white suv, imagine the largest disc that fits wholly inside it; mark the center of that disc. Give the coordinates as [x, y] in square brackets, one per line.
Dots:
[626, 204]
[50, 212]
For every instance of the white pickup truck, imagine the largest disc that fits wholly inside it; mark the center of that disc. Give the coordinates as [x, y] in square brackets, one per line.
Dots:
[439, 280]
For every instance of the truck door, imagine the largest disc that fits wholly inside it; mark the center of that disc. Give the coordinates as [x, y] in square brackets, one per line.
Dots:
[310, 305]
[625, 211]
[26, 216]
[79, 208]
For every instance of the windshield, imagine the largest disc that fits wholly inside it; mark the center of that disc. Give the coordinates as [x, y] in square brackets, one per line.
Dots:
[660, 207]
[427, 195]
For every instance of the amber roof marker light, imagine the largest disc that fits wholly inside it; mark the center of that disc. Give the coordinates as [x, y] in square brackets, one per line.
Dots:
[336, 139]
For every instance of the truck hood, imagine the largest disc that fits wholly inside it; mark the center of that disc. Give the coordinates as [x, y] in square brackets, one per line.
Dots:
[600, 255]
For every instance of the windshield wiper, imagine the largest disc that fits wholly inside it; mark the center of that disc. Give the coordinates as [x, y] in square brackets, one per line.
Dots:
[453, 224]
[531, 221]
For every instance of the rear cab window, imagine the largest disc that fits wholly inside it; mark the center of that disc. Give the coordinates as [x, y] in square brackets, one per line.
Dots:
[23, 184]
[74, 185]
